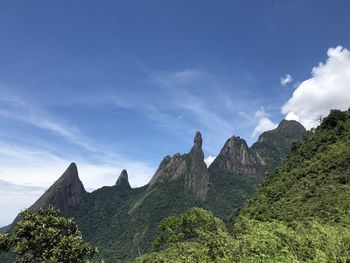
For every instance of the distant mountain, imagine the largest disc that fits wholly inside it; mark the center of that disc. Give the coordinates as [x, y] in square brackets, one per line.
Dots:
[189, 167]
[273, 146]
[122, 221]
[66, 192]
[301, 213]
[313, 181]
[234, 177]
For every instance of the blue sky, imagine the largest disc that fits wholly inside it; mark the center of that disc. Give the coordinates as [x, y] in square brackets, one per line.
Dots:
[120, 84]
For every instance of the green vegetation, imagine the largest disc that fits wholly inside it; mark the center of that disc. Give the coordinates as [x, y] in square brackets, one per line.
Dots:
[273, 146]
[122, 222]
[300, 214]
[198, 236]
[313, 181]
[45, 236]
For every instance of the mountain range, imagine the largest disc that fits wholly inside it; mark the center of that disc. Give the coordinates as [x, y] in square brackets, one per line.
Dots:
[122, 221]
[300, 213]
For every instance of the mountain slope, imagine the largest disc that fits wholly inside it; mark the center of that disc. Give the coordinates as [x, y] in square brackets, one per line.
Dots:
[190, 167]
[314, 180]
[234, 176]
[273, 146]
[122, 221]
[67, 191]
[300, 214]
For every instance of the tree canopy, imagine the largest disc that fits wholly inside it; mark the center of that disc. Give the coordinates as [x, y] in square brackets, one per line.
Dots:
[45, 236]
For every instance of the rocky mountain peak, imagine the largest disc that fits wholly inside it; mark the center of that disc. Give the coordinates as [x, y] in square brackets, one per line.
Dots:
[236, 157]
[189, 167]
[198, 139]
[67, 191]
[123, 180]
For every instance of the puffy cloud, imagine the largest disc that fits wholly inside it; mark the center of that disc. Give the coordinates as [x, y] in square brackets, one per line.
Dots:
[265, 124]
[208, 160]
[286, 80]
[328, 88]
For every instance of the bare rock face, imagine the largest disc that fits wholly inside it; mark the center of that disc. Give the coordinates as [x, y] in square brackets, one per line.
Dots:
[236, 157]
[189, 167]
[123, 181]
[198, 178]
[67, 191]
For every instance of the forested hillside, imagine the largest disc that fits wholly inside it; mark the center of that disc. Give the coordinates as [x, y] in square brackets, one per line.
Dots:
[300, 214]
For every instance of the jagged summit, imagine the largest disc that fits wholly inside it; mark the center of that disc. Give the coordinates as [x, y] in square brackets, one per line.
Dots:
[67, 191]
[236, 157]
[198, 139]
[123, 180]
[189, 167]
[70, 175]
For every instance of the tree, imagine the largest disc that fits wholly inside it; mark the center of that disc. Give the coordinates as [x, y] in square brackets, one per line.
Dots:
[45, 236]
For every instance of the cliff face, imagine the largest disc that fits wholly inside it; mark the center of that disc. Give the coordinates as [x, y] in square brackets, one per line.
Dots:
[236, 158]
[190, 167]
[66, 192]
[123, 180]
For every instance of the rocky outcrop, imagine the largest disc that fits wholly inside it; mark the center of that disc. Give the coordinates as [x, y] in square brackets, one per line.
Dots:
[198, 177]
[236, 157]
[66, 192]
[123, 181]
[189, 167]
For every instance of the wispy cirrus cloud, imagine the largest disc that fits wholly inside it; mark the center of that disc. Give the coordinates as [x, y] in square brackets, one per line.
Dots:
[15, 108]
[29, 163]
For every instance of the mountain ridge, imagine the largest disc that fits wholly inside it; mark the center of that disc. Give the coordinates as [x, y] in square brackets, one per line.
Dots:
[122, 220]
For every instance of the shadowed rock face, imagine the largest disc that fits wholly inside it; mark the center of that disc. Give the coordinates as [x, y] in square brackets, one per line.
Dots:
[236, 157]
[123, 181]
[67, 191]
[190, 167]
[198, 177]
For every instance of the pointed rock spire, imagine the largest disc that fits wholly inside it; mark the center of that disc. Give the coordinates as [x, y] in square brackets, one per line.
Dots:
[198, 139]
[196, 150]
[67, 191]
[189, 167]
[123, 180]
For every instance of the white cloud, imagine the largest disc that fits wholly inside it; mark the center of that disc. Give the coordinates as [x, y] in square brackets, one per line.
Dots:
[265, 124]
[261, 113]
[208, 160]
[328, 88]
[286, 80]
